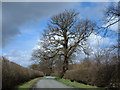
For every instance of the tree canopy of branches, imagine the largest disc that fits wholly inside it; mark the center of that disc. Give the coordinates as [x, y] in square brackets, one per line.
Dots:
[65, 32]
[113, 14]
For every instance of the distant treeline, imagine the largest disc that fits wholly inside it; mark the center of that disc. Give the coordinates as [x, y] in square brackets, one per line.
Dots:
[14, 74]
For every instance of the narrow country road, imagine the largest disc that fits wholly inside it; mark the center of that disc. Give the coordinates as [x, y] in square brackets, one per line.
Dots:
[50, 82]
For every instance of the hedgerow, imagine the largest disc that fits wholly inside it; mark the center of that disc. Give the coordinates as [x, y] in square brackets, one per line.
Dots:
[14, 74]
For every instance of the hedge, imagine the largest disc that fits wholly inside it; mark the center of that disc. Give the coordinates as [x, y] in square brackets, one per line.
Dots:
[14, 74]
[103, 76]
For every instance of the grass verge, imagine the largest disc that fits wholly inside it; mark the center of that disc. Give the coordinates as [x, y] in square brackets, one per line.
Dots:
[78, 85]
[28, 84]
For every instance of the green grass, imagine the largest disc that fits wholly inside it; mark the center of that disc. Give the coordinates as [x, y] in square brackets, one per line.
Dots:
[78, 85]
[28, 84]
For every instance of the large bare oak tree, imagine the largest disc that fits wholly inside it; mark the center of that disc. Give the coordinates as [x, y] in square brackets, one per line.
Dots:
[64, 33]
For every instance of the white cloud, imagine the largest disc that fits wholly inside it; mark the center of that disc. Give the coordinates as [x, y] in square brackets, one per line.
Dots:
[37, 46]
[20, 57]
[97, 40]
[95, 43]
[113, 27]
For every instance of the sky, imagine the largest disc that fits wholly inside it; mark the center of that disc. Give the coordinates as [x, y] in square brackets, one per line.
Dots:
[23, 24]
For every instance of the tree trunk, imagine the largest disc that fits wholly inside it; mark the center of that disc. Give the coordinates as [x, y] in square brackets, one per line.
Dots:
[65, 66]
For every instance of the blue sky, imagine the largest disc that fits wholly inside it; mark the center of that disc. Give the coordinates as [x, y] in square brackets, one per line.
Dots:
[23, 24]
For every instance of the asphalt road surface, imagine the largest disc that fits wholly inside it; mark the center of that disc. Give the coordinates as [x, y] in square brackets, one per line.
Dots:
[50, 82]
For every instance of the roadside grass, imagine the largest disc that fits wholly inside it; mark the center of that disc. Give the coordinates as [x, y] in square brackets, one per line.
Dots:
[78, 85]
[29, 84]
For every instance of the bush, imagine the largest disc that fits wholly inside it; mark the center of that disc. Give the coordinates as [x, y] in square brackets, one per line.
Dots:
[14, 74]
[81, 75]
[102, 76]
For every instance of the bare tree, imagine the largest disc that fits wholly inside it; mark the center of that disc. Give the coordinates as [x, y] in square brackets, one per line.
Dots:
[112, 14]
[65, 32]
[44, 56]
